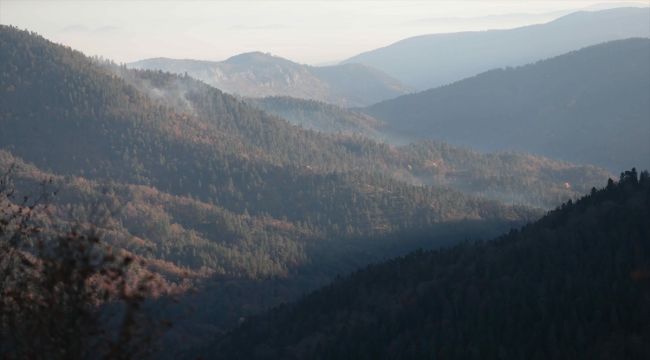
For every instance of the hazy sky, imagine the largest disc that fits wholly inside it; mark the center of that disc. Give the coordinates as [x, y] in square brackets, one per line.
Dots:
[308, 32]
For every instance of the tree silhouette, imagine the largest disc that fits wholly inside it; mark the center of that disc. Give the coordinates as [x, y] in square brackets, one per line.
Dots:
[65, 294]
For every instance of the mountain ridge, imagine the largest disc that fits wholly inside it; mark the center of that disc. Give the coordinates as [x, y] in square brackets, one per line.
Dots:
[586, 106]
[257, 74]
[429, 61]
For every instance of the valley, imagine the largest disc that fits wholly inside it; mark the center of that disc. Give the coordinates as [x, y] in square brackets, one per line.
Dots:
[286, 211]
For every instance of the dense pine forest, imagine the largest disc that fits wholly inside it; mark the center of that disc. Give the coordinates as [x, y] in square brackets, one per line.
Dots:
[234, 209]
[573, 285]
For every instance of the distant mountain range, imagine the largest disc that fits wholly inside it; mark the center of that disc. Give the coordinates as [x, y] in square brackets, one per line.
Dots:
[259, 75]
[525, 19]
[590, 106]
[428, 61]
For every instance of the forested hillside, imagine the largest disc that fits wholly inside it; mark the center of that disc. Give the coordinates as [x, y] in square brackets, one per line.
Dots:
[259, 75]
[510, 177]
[213, 186]
[429, 61]
[590, 106]
[252, 210]
[574, 285]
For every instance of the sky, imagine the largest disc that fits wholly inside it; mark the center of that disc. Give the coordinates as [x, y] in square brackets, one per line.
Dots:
[308, 32]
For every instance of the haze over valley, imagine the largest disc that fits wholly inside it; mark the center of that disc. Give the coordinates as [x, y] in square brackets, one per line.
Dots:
[473, 189]
[260, 75]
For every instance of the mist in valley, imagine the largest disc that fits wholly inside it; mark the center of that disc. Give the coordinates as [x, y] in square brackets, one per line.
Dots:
[318, 180]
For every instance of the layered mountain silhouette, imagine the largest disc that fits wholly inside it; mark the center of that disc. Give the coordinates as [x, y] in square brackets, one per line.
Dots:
[255, 210]
[589, 106]
[429, 61]
[259, 75]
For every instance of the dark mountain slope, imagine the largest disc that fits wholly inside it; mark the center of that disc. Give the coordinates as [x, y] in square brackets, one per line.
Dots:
[260, 75]
[588, 106]
[242, 264]
[574, 285]
[429, 61]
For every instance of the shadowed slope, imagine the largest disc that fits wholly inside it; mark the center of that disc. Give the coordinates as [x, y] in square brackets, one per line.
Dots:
[575, 284]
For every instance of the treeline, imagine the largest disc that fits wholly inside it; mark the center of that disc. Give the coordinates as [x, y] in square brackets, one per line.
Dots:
[574, 285]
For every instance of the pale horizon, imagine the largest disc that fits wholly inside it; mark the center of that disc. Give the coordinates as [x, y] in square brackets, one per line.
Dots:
[311, 33]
